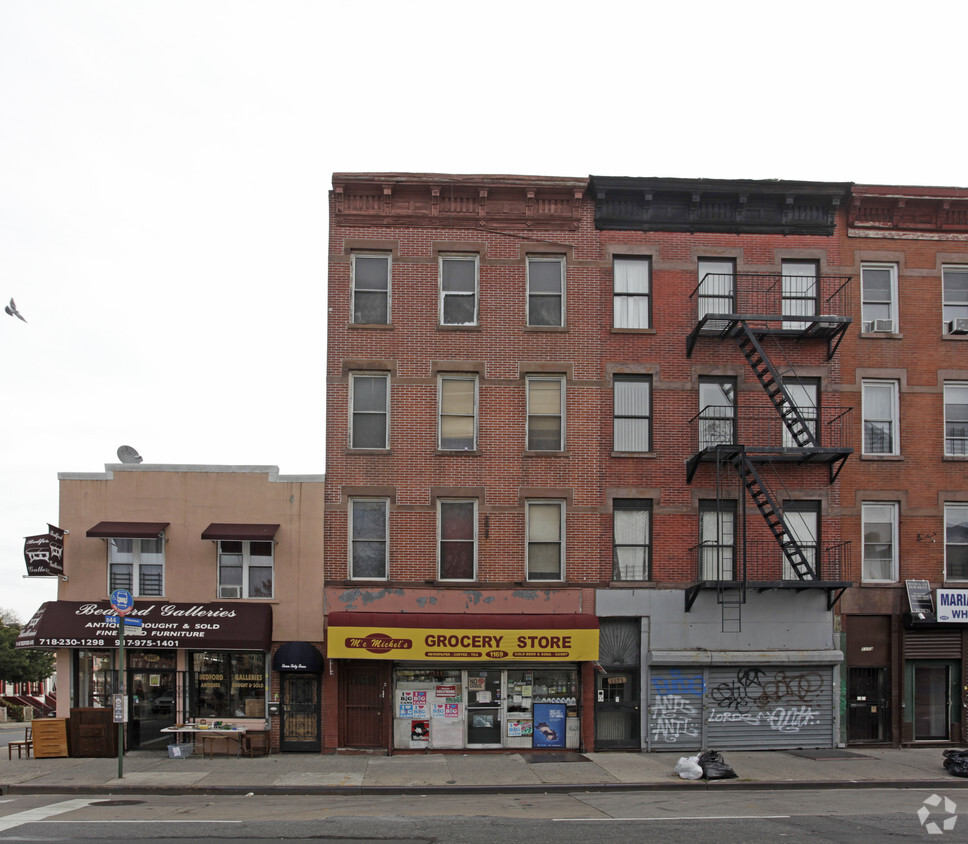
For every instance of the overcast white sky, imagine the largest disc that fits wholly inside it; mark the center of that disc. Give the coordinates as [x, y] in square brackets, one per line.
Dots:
[164, 168]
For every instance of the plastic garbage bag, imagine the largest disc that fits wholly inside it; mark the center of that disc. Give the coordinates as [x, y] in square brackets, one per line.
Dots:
[688, 768]
[956, 761]
[714, 767]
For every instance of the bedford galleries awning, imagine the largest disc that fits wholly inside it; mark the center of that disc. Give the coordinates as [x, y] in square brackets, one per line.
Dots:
[202, 626]
[465, 637]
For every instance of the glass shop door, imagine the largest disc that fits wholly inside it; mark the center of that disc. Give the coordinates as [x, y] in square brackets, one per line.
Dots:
[484, 706]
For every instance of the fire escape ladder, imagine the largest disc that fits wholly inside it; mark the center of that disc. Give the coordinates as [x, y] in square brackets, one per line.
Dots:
[769, 377]
[731, 598]
[773, 516]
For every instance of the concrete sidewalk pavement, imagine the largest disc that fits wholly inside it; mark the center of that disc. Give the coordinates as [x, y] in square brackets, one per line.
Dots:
[470, 772]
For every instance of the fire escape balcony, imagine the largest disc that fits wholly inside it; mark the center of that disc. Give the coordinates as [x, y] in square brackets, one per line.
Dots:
[766, 437]
[801, 307]
[761, 565]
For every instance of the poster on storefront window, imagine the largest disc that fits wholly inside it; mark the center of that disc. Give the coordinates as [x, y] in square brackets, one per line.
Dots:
[420, 731]
[549, 725]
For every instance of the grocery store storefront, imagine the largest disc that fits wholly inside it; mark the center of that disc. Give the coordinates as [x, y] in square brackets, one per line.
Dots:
[413, 681]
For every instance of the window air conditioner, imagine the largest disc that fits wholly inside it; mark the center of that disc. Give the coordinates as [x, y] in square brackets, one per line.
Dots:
[884, 325]
[230, 591]
[958, 326]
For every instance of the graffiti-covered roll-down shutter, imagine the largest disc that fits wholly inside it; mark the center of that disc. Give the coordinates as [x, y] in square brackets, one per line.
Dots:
[741, 707]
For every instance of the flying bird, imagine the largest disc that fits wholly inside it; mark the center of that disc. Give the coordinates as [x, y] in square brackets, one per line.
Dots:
[12, 310]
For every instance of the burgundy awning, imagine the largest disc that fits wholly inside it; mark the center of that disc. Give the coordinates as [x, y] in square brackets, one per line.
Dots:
[214, 625]
[219, 530]
[127, 530]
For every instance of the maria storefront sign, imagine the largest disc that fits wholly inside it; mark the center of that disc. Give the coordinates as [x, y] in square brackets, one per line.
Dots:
[79, 624]
[953, 605]
[44, 553]
[475, 637]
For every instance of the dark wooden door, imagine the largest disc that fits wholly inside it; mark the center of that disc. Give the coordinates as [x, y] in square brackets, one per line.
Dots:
[365, 692]
[299, 711]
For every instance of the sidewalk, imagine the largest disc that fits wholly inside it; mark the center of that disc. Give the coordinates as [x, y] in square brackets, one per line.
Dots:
[443, 773]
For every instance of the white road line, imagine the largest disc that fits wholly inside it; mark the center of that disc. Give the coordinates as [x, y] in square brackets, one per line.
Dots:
[683, 818]
[139, 821]
[41, 813]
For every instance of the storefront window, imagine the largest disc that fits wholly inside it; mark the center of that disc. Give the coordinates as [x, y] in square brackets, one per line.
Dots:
[485, 707]
[96, 678]
[229, 685]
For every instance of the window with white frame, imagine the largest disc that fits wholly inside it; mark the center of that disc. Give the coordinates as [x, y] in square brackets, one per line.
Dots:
[955, 299]
[631, 538]
[878, 291]
[717, 411]
[717, 540]
[956, 419]
[369, 538]
[956, 541]
[546, 291]
[546, 413]
[880, 417]
[369, 409]
[879, 530]
[716, 292]
[457, 539]
[632, 287]
[804, 394]
[546, 540]
[457, 406]
[137, 565]
[245, 568]
[802, 520]
[458, 289]
[632, 413]
[371, 289]
[799, 291]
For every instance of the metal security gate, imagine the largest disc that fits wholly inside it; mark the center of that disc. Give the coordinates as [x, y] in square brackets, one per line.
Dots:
[299, 726]
[751, 707]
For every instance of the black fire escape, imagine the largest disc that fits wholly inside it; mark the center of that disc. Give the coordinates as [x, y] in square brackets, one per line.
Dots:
[756, 446]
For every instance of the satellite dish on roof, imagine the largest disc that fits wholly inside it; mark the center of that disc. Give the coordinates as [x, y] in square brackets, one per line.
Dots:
[126, 454]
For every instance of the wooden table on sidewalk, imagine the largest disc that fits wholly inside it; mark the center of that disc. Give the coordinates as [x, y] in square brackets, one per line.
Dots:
[210, 735]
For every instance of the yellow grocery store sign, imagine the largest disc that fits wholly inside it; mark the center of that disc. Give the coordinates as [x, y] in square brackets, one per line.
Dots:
[465, 643]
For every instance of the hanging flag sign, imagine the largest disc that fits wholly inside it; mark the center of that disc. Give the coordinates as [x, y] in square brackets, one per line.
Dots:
[44, 553]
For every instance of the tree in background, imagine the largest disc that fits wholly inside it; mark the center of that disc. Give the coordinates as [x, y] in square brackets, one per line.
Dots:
[20, 666]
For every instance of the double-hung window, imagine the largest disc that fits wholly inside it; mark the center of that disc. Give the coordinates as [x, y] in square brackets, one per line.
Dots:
[137, 564]
[880, 541]
[805, 396]
[370, 407]
[457, 539]
[546, 413]
[369, 538]
[631, 538]
[956, 419]
[799, 291]
[546, 291]
[955, 295]
[956, 541]
[717, 540]
[880, 417]
[546, 540]
[878, 291]
[458, 290]
[632, 413]
[716, 290]
[245, 568]
[457, 399]
[802, 520]
[371, 289]
[632, 284]
[717, 412]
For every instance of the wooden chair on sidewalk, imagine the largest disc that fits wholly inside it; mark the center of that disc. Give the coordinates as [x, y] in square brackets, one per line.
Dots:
[255, 742]
[27, 744]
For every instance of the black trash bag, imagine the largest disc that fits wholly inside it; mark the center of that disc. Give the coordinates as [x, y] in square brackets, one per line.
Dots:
[714, 767]
[956, 761]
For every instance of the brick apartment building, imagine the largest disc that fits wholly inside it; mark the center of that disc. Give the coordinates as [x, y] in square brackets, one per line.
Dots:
[905, 492]
[584, 445]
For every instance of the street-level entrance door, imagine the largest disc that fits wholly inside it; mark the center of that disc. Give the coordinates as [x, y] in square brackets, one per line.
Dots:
[868, 703]
[299, 713]
[617, 711]
[934, 689]
[364, 690]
